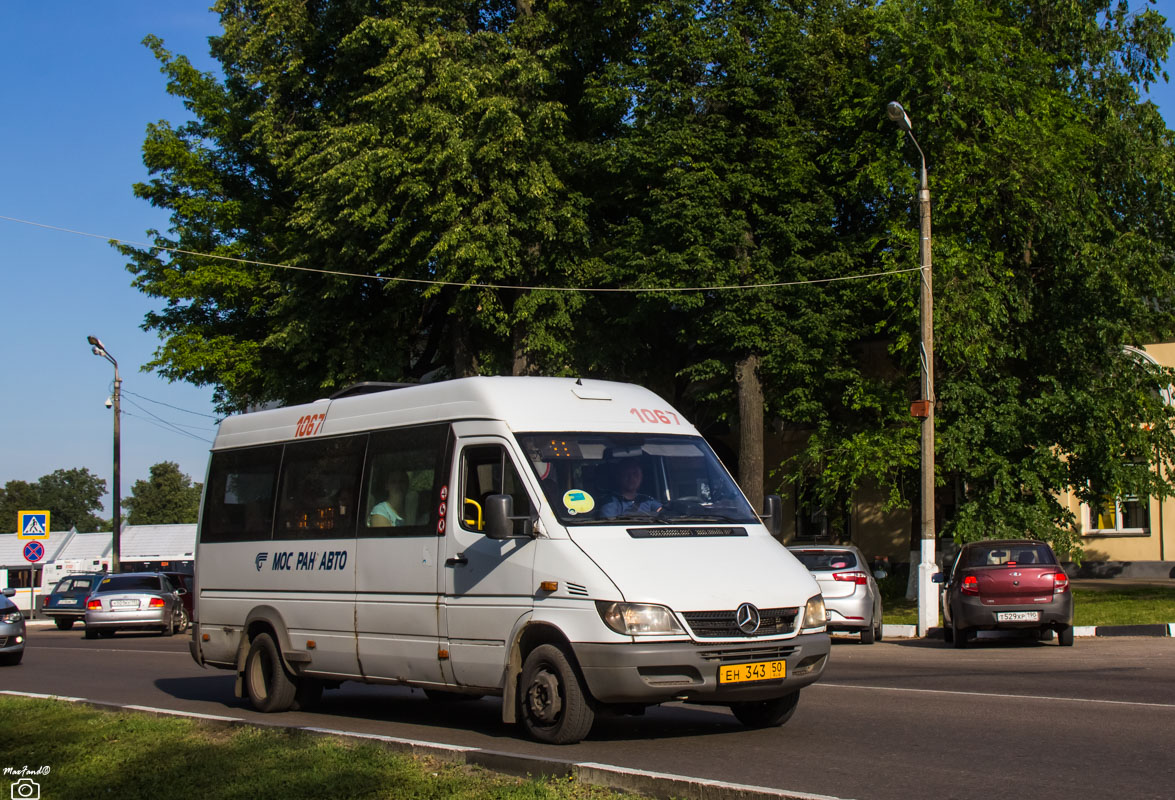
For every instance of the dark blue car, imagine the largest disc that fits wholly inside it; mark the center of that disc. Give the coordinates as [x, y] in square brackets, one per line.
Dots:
[67, 602]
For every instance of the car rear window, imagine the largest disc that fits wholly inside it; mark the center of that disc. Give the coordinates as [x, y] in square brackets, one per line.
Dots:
[73, 585]
[818, 560]
[998, 555]
[130, 583]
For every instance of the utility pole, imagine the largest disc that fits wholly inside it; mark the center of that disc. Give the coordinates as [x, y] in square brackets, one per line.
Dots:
[924, 408]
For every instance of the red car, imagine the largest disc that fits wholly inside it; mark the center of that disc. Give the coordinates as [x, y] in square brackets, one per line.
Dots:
[1006, 585]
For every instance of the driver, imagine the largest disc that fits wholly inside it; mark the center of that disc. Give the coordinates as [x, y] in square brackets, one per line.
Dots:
[627, 498]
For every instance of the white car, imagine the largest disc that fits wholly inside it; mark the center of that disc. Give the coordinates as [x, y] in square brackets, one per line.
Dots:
[850, 592]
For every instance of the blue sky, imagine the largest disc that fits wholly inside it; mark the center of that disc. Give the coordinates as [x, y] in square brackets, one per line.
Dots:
[78, 93]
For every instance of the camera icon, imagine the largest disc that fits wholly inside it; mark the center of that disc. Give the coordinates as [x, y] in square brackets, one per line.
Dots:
[26, 789]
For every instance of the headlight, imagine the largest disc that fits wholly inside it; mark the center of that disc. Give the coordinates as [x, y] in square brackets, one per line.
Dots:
[638, 619]
[815, 615]
[11, 617]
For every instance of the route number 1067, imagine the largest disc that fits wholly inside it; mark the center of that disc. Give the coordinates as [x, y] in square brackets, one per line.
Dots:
[655, 415]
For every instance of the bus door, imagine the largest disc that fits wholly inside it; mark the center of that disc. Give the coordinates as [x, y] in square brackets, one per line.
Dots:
[396, 584]
[488, 583]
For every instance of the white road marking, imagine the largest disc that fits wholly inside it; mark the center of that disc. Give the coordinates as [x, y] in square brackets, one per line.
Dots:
[827, 685]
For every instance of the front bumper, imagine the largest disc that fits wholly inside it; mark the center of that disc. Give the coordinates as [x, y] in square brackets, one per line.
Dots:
[663, 671]
[12, 637]
[969, 611]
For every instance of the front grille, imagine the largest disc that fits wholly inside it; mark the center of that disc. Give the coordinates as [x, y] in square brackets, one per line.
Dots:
[747, 654]
[722, 625]
[3, 641]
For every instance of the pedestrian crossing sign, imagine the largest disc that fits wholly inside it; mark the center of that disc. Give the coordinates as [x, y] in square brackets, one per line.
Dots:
[33, 524]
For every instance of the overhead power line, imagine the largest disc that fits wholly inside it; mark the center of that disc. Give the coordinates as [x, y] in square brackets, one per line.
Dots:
[469, 285]
[169, 405]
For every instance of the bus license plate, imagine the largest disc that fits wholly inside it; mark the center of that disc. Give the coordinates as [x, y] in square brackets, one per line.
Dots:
[758, 671]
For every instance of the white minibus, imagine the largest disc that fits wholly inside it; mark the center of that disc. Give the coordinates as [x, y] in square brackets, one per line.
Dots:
[572, 546]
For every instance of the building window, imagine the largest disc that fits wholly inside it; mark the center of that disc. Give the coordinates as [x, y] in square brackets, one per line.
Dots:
[1119, 515]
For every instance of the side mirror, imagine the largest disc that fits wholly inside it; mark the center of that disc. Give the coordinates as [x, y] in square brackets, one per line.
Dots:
[180, 592]
[938, 577]
[499, 511]
[9, 592]
[880, 573]
[772, 515]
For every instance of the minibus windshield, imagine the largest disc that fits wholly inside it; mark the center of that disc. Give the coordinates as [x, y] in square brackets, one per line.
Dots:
[629, 478]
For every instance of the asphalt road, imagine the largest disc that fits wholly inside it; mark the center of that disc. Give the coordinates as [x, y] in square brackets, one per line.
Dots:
[908, 719]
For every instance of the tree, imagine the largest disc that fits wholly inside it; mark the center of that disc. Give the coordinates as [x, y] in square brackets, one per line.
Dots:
[167, 497]
[663, 144]
[417, 144]
[70, 495]
[1052, 251]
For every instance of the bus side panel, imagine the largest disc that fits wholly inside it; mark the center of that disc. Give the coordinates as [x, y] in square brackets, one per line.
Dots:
[309, 583]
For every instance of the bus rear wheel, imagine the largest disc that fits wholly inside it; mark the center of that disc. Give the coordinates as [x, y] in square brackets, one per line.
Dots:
[269, 686]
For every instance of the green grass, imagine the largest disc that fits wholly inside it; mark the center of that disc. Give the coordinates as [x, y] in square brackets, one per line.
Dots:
[1128, 605]
[96, 754]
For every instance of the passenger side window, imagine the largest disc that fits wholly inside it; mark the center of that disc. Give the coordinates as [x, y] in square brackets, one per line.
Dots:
[319, 488]
[486, 470]
[239, 498]
[402, 488]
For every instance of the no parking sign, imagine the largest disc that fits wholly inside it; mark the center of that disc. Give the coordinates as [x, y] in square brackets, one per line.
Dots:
[34, 552]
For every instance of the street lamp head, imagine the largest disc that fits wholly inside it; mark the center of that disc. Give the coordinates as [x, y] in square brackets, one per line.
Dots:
[97, 350]
[94, 340]
[898, 115]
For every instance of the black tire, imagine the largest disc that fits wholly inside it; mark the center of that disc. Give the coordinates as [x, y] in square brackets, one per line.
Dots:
[11, 659]
[91, 633]
[958, 636]
[267, 684]
[182, 621]
[880, 621]
[106, 633]
[766, 713]
[63, 624]
[308, 694]
[1065, 636]
[554, 705]
[441, 696]
[868, 635]
[948, 633]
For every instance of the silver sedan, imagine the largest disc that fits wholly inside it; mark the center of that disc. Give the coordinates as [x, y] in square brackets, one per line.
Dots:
[134, 601]
[850, 591]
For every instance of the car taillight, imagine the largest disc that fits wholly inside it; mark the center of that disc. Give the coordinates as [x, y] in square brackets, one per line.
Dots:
[94, 605]
[1060, 583]
[859, 578]
[156, 602]
[970, 585]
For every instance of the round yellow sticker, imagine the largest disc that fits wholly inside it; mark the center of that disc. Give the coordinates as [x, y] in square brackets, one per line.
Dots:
[578, 501]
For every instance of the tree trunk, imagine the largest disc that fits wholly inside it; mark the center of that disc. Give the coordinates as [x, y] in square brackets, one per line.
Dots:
[464, 359]
[750, 433]
[521, 363]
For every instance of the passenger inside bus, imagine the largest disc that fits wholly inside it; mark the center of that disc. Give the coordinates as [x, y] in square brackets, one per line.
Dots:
[388, 512]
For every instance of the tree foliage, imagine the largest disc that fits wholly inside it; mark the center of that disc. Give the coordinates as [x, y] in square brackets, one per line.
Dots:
[167, 497]
[464, 152]
[70, 495]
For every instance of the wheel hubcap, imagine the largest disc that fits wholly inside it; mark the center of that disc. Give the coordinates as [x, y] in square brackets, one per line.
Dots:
[542, 697]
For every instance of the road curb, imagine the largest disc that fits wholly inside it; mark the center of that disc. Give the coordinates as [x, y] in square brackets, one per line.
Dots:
[643, 782]
[1161, 629]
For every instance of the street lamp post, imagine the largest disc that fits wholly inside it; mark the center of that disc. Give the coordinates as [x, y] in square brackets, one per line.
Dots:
[99, 350]
[924, 408]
